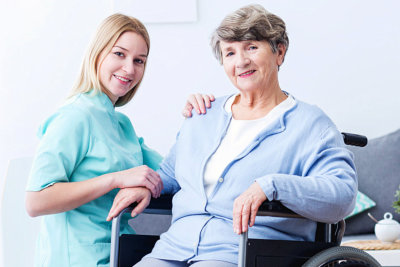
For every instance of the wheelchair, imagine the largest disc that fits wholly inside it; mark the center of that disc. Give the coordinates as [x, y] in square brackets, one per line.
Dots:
[126, 250]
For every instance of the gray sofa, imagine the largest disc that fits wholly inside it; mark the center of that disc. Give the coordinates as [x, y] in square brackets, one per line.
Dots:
[378, 168]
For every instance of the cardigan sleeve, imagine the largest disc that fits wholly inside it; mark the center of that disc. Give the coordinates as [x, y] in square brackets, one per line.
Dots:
[151, 157]
[327, 188]
[167, 172]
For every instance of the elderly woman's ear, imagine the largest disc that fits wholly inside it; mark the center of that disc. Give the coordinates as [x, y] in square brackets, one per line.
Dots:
[281, 54]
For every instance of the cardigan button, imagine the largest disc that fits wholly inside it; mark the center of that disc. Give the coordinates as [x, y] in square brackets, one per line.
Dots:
[220, 179]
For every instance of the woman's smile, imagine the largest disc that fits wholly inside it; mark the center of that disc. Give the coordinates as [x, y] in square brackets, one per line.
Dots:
[247, 74]
[122, 80]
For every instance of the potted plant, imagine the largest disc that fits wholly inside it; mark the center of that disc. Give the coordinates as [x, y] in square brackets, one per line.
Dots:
[396, 203]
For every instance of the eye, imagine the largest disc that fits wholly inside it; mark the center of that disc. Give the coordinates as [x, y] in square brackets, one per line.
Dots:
[229, 54]
[119, 54]
[252, 47]
[139, 61]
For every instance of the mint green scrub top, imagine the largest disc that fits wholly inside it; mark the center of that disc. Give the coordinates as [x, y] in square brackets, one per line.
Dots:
[84, 139]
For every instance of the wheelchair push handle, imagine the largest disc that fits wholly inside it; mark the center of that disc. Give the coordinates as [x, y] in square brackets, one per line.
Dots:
[355, 139]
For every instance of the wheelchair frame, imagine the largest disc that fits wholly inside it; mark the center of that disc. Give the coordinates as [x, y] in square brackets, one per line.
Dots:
[331, 234]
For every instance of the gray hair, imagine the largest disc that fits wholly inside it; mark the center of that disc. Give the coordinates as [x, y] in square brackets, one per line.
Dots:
[250, 22]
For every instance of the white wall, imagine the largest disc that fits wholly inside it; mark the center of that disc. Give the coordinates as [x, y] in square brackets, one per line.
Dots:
[344, 56]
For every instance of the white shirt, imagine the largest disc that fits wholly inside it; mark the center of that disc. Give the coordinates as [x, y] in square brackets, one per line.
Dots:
[239, 135]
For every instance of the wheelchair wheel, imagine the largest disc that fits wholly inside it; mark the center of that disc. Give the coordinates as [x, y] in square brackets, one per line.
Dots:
[342, 256]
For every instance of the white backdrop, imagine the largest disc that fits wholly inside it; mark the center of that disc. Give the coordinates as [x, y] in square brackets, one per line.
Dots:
[343, 56]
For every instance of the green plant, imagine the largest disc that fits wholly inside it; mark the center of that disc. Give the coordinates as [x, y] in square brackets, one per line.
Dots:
[396, 203]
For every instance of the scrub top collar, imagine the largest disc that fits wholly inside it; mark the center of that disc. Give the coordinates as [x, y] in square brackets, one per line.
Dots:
[100, 98]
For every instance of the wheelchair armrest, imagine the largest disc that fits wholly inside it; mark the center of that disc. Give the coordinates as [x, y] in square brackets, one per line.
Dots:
[163, 202]
[276, 209]
[325, 232]
[354, 139]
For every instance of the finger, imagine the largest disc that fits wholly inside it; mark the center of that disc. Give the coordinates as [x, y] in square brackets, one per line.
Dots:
[237, 211]
[212, 98]
[110, 214]
[192, 100]
[160, 184]
[207, 101]
[200, 103]
[187, 111]
[151, 180]
[114, 206]
[245, 217]
[121, 203]
[149, 185]
[155, 179]
[142, 204]
[254, 209]
[114, 210]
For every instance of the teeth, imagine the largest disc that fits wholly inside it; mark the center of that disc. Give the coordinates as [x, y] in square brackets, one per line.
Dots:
[248, 72]
[121, 78]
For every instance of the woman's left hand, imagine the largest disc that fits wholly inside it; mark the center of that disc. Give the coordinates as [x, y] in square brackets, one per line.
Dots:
[127, 196]
[246, 206]
[199, 102]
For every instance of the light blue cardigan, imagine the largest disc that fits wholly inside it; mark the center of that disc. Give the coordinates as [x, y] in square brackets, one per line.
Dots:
[299, 159]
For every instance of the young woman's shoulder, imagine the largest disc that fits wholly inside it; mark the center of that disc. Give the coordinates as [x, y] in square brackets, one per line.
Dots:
[68, 117]
[122, 118]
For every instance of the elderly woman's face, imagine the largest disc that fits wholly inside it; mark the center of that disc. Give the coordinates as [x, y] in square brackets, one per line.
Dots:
[251, 65]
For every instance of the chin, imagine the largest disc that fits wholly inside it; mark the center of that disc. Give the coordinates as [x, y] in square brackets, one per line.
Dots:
[121, 93]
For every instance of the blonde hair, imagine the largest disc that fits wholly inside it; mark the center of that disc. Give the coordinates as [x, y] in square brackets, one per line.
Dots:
[106, 36]
[250, 22]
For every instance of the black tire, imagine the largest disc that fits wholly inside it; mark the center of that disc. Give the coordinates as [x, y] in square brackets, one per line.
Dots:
[342, 256]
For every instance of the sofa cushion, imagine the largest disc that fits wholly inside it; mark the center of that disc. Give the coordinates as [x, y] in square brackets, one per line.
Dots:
[363, 203]
[378, 168]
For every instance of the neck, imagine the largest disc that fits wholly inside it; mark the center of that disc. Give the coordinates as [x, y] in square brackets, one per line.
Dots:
[112, 98]
[255, 105]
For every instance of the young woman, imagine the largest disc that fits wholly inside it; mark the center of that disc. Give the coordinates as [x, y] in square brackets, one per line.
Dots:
[88, 151]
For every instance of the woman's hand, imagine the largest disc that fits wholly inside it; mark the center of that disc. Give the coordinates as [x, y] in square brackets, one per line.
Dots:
[127, 196]
[139, 176]
[199, 102]
[246, 206]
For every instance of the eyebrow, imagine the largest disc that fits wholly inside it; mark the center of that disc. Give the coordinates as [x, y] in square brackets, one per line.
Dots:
[246, 42]
[227, 48]
[143, 55]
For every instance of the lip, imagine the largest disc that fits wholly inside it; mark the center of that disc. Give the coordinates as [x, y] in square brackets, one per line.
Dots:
[246, 73]
[122, 79]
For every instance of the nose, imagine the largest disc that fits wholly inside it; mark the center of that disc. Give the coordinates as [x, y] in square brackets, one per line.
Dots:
[128, 67]
[242, 60]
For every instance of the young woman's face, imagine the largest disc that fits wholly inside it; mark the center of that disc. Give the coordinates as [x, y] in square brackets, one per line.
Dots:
[123, 67]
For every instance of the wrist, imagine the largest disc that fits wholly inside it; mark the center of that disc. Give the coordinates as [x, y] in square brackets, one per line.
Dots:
[112, 180]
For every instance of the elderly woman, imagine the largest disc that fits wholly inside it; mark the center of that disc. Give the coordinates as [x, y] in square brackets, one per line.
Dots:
[260, 144]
